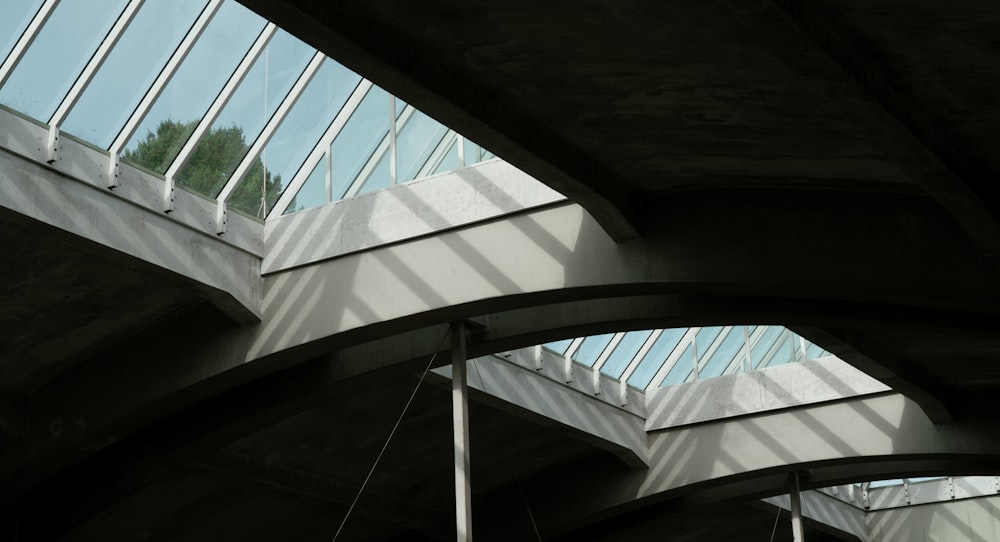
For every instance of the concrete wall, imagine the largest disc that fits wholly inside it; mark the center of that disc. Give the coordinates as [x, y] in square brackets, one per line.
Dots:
[971, 520]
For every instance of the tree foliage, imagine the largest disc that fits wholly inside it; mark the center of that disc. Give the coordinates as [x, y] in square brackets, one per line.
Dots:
[210, 164]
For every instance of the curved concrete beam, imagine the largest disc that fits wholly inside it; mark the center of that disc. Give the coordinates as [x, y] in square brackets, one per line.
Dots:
[747, 457]
[561, 254]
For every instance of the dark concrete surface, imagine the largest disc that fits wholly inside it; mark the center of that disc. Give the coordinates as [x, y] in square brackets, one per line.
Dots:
[622, 106]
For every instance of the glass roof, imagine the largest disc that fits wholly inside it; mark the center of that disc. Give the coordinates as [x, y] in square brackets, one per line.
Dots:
[656, 358]
[217, 101]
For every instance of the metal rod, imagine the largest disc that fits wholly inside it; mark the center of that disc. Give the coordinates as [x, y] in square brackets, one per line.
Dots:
[796, 498]
[460, 423]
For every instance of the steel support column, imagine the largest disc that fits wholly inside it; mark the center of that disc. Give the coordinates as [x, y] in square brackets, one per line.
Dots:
[460, 423]
[795, 496]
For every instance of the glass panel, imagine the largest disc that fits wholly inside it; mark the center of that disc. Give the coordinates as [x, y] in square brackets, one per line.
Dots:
[365, 131]
[313, 191]
[559, 347]
[591, 349]
[193, 88]
[657, 355]
[763, 345]
[731, 346]
[627, 348]
[248, 110]
[415, 142]
[380, 177]
[450, 161]
[681, 371]
[130, 68]
[57, 56]
[814, 351]
[472, 152]
[783, 350]
[704, 339]
[17, 14]
[296, 137]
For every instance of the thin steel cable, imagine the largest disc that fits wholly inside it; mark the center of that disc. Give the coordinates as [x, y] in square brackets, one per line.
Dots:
[776, 518]
[387, 440]
[528, 507]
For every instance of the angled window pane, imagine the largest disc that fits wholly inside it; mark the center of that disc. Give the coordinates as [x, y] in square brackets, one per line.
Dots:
[559, 347]
[417, 139]
[312, 193]
[622, 355]
[704, 339]
[17, 14]
[682, 370]
[450, 161]
[723, 356]
[472, 152]
[814, 351]
[655, 357]
[245, 114]
[57, 56]
[366, 130]
[295, 138]
[591, 349]
[194, 87]
[130, 68]
[774, 348]
[764, 344]
[380, 177]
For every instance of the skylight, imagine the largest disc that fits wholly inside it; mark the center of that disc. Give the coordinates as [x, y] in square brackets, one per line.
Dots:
[217, 101]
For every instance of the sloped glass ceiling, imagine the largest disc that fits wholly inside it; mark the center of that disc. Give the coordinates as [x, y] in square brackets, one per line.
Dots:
[652, 359]
[217, 101]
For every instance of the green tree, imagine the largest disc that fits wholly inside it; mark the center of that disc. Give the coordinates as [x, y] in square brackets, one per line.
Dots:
[210, 164]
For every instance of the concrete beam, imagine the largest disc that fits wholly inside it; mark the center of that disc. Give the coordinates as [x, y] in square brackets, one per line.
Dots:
[527, 394]
[485, 191]
[769, 389]
[749, 456]
[223, 273]
[828, 511]
[877, 361]
[545, 274]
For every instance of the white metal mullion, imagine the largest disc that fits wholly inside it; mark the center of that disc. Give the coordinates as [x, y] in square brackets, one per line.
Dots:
[568, 358]
[636, 361]
[321, 149]
[392, 140]
[603, 358]
[386, 145]
[672, 358]
[220, 101]
[164, 77]
[27, 37]
[95, 62]
[748, 361]
[460, 141]
[438, 154]
[265, 136]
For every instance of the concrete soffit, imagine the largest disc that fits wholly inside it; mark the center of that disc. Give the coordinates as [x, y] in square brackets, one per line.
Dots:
[69, 189]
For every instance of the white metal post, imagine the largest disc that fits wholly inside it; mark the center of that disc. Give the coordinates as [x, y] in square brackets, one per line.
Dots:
[796, 498]
[460, 424]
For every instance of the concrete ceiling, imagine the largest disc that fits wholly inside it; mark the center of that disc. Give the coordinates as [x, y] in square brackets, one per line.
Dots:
[627, 106]
[622, 106]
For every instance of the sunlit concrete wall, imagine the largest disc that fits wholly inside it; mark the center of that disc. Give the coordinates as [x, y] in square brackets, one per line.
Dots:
[970, 520]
